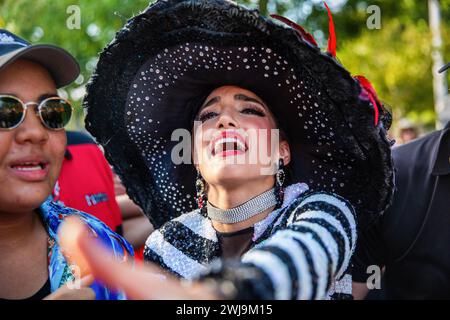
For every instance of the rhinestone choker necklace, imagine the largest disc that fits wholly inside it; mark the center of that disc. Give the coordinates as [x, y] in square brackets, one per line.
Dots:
[245, 211]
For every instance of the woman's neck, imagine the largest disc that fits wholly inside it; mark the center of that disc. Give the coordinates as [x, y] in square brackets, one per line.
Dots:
[227, 198]
[17, 228]
[24, 264]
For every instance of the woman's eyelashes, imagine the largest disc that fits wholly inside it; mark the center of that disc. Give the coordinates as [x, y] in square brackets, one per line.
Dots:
[253, 110]
[206, 116]
[245, 110]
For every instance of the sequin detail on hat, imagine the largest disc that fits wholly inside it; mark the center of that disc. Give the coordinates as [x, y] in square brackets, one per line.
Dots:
[150, 129]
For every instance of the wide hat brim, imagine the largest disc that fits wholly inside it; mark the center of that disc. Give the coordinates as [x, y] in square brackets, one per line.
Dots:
[151, 79]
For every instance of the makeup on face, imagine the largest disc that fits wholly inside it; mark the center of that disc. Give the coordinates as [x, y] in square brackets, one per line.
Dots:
[254, 107]
[231, 120]
[228, 143]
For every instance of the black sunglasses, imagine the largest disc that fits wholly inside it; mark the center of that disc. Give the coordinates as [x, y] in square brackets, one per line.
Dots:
[54, 112]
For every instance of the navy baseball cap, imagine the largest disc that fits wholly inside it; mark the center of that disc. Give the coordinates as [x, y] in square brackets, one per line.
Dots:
[62, 65]
[444, 68]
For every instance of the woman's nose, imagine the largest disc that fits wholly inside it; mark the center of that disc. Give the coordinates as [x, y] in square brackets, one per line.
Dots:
[31, 129]
[226, 121]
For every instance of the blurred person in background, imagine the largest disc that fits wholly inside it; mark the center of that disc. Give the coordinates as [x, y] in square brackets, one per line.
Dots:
[86, 181]
[408, 131]
[136, 226]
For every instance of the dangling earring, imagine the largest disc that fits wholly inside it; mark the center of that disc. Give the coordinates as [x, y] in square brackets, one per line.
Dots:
[280, 176]
[201, 194]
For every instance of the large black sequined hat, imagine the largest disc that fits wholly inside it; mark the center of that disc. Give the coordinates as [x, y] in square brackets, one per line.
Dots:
[150, 78]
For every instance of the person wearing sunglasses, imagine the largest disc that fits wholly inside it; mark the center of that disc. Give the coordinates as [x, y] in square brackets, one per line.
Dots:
[32, 147]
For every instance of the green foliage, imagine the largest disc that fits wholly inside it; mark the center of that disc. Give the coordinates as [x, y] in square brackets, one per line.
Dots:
[396, 58]
[45, 21]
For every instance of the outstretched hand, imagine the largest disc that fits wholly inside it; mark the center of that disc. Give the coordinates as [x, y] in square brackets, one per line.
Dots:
[138, 282]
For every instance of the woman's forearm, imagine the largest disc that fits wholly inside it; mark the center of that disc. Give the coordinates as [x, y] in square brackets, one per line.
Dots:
[127, 207]
[136, 230]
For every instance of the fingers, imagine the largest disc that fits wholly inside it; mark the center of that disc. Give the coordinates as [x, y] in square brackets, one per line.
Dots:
[69, 233]
[86, 281]
[143, 282]
[75, 294]
[83, 294]
[138, 282]
[94, 259]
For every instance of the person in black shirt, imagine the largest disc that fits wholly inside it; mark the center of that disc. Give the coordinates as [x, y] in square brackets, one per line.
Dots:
[412, 239]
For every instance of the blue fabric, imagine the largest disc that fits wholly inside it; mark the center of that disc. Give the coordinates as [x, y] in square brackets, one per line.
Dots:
[53, 214]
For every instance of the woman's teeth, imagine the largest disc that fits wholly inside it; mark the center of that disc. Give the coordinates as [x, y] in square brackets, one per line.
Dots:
[225, 144]
[29, 167]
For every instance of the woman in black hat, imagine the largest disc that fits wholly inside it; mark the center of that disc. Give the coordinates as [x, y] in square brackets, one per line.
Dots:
[285, 235]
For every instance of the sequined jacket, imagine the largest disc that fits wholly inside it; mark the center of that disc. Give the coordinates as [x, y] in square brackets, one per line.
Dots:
[53, 214]
[299, 251]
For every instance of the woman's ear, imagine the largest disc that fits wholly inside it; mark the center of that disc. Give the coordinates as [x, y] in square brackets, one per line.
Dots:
[285, 152]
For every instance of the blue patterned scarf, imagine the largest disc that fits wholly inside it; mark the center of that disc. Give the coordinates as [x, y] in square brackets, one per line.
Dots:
[59, 270]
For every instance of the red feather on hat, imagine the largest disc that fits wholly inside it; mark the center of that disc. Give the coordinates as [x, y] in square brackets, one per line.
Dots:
[371, 94]
[305, 35]
[368, 90]
[332, 33]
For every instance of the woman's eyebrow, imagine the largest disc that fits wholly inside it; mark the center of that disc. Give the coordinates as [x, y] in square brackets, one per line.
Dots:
[44, 96]
[243, 97]
[211, 102]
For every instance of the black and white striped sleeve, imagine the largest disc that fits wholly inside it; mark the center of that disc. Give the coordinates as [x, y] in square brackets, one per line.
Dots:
[301, 260]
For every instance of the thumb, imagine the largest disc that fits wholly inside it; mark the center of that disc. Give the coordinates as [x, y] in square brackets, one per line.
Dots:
[69, 233]
[95, 259]
[138, 282]
[86, 281]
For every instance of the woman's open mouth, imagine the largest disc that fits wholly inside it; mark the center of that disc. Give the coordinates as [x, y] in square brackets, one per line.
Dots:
[228, 144]
[31, 171]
